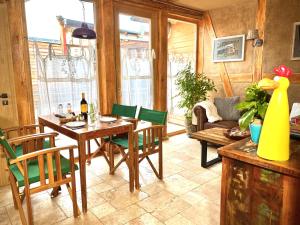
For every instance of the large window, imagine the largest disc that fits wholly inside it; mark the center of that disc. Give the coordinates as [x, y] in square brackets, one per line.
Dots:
[61, 66]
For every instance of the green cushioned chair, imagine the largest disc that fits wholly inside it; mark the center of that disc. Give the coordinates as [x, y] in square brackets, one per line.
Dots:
[118, 110]
[15, 132]
[34, 170]
[46, 168]
[124, 110]
[147, 141]
[19, 148]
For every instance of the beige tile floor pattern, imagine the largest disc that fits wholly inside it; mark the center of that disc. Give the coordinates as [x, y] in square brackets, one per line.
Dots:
[189, 194]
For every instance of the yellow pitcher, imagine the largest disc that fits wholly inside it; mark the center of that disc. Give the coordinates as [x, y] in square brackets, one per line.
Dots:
[274, 142]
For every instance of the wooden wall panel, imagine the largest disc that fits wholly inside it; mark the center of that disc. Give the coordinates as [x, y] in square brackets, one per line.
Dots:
[200, 46]
[258, 51]
[161, 95]
[183, 38]
[106, 54]
[21, 65]
[8, 114]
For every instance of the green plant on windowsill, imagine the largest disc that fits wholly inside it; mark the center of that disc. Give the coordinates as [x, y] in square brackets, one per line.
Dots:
[192, 88]
[254, 107]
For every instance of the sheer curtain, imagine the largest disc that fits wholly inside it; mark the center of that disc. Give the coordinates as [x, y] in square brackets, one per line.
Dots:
[62, 78]
[176, 63]
[137, 79]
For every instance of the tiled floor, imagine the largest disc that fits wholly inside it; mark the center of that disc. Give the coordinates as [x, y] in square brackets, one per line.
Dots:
[189, 193]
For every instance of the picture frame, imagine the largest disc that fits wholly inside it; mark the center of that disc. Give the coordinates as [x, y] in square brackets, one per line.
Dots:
[228, 49]
[296, 42]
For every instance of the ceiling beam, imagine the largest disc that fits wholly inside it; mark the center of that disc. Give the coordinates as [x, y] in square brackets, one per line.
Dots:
[166, 5]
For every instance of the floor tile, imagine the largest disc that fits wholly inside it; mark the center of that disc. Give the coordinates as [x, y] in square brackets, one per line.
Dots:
[123, 216]
[174, 207]
[83, 219]
[179, 185]
[146, 219]
[178, 220]
[103, 210]
[4, 219]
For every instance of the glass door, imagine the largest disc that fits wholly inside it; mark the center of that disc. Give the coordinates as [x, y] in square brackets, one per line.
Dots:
[135, 58]
[182, 45]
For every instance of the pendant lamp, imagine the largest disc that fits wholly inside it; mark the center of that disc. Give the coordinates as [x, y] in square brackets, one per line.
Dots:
[84, 32]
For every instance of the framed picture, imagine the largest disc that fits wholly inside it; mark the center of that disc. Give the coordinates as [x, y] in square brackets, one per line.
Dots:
[296, 42]
[231, 48]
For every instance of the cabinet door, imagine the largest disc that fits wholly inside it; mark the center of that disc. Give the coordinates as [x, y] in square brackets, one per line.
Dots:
[238, 194]
[267, 194]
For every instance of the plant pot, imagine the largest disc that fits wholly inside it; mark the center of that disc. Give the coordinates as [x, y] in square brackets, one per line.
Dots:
[189, 127]
[255, 130]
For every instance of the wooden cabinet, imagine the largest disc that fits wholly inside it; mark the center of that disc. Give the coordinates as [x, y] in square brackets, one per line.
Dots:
[256, 191]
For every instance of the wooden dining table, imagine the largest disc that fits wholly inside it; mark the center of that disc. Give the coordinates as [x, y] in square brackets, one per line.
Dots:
[86, 133]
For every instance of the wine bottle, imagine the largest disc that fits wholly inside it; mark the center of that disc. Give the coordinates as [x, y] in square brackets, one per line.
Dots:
[84, 106]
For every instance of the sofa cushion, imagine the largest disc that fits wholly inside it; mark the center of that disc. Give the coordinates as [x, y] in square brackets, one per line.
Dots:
[226, 107]
[228, 124]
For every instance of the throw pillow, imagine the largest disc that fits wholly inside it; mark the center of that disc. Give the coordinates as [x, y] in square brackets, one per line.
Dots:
[226, 107]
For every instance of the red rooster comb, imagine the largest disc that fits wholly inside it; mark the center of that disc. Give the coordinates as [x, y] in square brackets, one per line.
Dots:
[283, 71]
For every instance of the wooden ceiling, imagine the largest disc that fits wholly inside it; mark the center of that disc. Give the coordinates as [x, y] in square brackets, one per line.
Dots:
[206, 4]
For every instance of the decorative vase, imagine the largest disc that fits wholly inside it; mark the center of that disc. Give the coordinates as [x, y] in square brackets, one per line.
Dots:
[255, 130]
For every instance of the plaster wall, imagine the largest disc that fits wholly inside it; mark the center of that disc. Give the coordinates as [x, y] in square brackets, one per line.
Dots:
[233, 20]
[279, 28]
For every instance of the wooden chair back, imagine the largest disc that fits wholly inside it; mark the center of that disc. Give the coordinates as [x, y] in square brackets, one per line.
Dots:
[21, 130]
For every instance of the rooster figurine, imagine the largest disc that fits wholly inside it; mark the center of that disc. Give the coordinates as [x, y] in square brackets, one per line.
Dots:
[274, 142]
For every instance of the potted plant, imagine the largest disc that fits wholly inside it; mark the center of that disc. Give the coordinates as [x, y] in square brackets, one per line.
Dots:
[253, 110]
[192, 88]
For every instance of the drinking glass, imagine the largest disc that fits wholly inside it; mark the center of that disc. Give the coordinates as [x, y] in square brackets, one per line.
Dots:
[60, 109]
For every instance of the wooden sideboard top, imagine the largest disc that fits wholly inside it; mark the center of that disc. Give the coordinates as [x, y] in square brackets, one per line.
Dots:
[245, 151]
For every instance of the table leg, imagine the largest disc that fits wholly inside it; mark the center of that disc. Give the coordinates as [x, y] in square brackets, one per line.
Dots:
[42, 127]
[131, 159]
[204, 162]
[82, 171]
[89, 152]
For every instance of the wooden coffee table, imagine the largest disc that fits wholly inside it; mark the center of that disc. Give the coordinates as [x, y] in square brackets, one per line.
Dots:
[214, 136]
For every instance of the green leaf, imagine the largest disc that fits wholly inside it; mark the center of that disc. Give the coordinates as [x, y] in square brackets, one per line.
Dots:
[245, 105]
[246, 119]
[192, 88]
[262, 109]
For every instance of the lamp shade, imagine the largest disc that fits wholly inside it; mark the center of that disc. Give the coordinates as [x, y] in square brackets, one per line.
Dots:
[84, 32]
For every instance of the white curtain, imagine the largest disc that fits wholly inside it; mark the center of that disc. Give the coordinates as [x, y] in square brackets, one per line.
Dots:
[137, 78]
[176, 63]
[62, 78]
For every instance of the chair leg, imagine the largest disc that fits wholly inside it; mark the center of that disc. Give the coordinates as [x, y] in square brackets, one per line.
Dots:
[111, 159]
[153, 167]
[55, 192]
[14, 197]
[136, 170]
[73, 196]
[17, 198]
[160, 163]
[28, 203]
